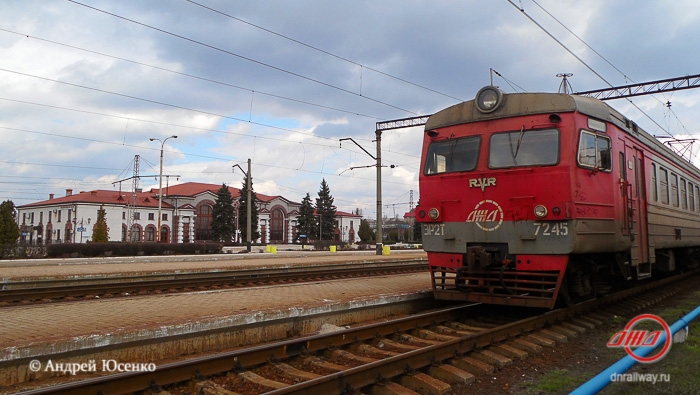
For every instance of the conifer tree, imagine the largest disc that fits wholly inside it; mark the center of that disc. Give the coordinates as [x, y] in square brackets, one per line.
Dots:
[100, 232]
[9, 230]
[326, 211]
[223, 224]
[365, 233]
[306, 222]
[242, 212]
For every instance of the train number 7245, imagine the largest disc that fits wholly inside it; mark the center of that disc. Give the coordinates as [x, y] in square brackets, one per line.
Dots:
[551, 228]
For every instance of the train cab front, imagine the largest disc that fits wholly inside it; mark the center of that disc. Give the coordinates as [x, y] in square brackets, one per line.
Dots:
[493, 203]
[465, 267]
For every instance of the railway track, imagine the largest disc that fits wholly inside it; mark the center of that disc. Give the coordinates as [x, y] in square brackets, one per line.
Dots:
[45, 291]
[431, 351]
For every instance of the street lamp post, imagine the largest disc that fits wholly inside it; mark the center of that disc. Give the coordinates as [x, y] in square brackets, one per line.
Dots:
[160, 183]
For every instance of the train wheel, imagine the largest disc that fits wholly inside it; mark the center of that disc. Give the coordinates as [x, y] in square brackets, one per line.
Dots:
[564, 298]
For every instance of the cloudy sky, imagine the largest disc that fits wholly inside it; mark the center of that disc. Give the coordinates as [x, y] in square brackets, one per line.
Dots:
[85, 84]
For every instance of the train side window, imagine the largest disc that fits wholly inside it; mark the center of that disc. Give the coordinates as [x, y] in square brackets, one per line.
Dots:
[594, 151]
[623, 173]
[684, 194]
[654, 188]
[663, 185]
[452, 155]
[691, 196]
[674, 189]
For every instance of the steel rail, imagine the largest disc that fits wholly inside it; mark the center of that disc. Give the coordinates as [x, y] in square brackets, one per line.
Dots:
[129, 284]
[356, 377]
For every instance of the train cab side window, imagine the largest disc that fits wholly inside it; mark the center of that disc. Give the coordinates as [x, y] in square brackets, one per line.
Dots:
[594, 151]
[452, 155]
[663, 186]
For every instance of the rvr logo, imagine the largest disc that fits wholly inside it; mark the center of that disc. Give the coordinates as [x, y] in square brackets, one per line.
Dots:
[482, 183]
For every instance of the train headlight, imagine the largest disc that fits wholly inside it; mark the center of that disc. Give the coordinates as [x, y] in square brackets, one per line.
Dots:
[540, 211]
[433, 213]
[488, 99]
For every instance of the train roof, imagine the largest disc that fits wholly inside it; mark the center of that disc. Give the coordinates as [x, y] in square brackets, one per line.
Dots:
[520, 104]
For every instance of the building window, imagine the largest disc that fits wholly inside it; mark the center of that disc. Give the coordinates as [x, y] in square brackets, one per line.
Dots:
[137, 215]
[59, 216]
[150, 233]
[151, 216]
[165, 217]
[202, 222]
[123, 214]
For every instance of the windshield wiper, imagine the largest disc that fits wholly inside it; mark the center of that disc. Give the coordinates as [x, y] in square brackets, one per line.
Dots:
[520, 140]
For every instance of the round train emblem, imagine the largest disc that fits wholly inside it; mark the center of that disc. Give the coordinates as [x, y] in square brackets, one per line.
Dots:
[487, 215]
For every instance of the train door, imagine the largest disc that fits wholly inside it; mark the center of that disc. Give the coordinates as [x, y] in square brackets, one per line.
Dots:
[635, 215]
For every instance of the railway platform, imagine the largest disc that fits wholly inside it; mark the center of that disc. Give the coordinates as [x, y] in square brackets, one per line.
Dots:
[145, 329]
[50, 269]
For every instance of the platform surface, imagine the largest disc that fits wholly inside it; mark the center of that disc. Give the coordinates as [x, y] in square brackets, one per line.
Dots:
[112, 321]
[14, 270]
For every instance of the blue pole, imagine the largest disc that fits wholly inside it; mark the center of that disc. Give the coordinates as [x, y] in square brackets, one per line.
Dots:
[603, 378]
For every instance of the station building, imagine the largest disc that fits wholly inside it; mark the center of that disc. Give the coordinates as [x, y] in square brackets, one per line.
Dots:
[185, 216]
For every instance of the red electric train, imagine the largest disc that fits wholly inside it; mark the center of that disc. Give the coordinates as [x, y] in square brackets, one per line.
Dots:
[532, 198]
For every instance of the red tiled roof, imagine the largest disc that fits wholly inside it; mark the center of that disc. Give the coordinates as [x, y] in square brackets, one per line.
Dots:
[344, 214]
[99, 196]
[144, 199]
[191, 189]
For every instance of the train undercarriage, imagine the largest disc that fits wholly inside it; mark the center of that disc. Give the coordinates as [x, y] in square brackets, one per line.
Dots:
[486, 275]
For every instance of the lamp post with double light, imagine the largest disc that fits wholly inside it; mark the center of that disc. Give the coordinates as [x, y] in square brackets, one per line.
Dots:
[160, 183]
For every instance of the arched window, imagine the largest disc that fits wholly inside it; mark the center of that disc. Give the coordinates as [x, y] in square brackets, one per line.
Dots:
[277, 228]
[135, 233]
[202, 222]
[150, 233]
[164, 235]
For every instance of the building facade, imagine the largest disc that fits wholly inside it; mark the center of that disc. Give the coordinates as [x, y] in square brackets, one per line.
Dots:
[185, 216]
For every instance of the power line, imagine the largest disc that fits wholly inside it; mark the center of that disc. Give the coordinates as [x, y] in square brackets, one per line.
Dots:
[244, 57]
[324, 51]
[522, 11]
[604, 59]
[190, 75]
[172, 125]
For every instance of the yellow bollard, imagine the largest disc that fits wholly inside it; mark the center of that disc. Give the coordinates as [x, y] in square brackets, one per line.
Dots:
[268, 248]
[332, 248]
[273, 249]
[385, 250]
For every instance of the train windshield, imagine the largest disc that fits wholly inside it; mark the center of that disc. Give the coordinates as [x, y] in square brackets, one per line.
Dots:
[452, 155]
[524, 148]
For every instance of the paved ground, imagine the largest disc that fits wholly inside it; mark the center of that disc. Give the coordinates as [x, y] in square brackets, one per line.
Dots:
[12, 270]
[110, 321]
